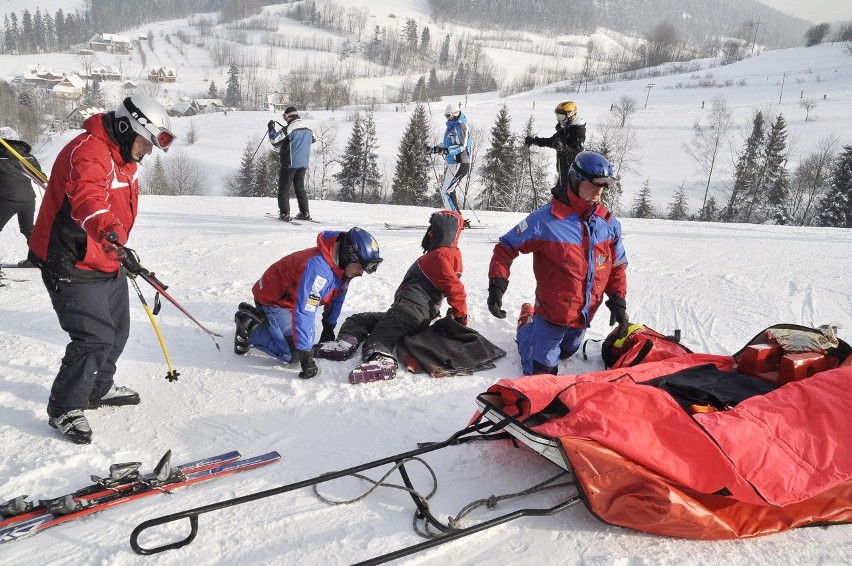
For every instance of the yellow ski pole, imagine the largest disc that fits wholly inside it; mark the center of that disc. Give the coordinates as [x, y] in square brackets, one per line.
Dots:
[33, 169]
[172, 375]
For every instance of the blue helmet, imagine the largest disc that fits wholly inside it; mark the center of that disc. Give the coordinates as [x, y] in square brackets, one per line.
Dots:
[590, 166]
[358, 246]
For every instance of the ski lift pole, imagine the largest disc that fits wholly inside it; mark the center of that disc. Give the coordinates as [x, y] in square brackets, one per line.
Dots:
[172, 375]
[161, 289]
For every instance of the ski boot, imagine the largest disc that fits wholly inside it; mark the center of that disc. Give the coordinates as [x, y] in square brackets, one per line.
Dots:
[377, 368]
[246, 318]
[337, 350]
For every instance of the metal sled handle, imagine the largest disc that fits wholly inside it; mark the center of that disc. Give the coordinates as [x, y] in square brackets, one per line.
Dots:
[192, 514]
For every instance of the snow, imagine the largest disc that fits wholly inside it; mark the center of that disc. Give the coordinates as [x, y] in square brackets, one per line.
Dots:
[719, 283]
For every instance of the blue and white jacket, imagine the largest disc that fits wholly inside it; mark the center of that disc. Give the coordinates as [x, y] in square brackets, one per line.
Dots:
[293, 144]
[457, 140]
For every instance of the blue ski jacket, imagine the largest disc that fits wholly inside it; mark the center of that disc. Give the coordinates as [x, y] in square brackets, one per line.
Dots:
[293, 144]
[457, 140]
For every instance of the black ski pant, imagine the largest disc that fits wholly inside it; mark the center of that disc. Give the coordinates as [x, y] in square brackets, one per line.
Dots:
[25, 211]
[96, 316]
[295, 178]
[380, 331]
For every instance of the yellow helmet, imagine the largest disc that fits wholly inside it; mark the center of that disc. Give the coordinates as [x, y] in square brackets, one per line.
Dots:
[568, 108]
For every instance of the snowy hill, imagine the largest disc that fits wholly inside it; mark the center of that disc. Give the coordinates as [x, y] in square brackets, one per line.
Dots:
[720, 284]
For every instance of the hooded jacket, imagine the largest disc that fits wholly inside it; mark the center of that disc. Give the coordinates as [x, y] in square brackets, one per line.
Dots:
[15, 186]
[578, 256]
[457, 140]
[91, 192]
[293, 144]
[301, 282]
[437, 273]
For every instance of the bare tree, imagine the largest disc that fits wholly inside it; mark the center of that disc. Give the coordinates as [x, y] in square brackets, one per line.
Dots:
[624, 108]
[664, 43]
[811, 179]
[808, 104]
[184, 175]
[621, 148]
[192, 134]
[707, 141]
[816, 34]
[325, 159]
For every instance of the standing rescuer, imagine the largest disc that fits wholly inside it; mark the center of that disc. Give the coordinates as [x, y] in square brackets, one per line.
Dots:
[568, 139]
[88, 211]
[578, 257]
[294, 150]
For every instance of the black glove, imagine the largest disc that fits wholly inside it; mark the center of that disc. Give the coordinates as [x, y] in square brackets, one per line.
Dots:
[131, 262]
[113, 249]
[444, 150]
[529, 140]
[270, 125]
[309, 366]
[327, 332]
[496, 287]
[618, 313]
[559, 145]
[460, 319]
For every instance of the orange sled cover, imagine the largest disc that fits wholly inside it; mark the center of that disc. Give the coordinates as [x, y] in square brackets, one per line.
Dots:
[772, 462]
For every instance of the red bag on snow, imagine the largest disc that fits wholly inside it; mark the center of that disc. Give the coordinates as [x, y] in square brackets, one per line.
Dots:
[642, 344]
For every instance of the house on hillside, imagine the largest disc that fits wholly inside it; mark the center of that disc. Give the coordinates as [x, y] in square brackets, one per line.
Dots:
[74, 120]
[69, 88]
[104, 74]
[276, 101]
[182, 108]
[110, 42]
[162, 75]
[41, 76]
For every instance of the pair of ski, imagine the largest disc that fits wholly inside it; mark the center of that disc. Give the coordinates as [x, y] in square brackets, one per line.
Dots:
[293, 222]
[20, 518]
[390, 226]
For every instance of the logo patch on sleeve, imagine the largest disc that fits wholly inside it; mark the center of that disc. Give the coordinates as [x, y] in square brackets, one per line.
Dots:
[522, 227]
[314, 297]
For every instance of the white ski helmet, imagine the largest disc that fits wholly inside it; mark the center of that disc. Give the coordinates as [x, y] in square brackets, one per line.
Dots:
[147, 118]
[453, 110]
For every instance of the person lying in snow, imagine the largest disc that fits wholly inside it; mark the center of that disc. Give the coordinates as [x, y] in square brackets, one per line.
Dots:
[291, 289]
[417, 302]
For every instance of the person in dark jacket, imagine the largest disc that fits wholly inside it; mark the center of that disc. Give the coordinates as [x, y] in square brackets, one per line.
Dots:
[417, 302]
[294, 149]
[17, 196]
[85, 219]
[578, 256]
[282, 324]
[567, 141]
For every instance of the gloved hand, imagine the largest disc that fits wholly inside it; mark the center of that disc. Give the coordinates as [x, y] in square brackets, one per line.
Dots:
[270, 125]
[496, 287]
[528, 140]
[327, 332]
[111, 242]
[131, 262]
[559, 145]
[460, 319]
[309, 366]
[618, 313]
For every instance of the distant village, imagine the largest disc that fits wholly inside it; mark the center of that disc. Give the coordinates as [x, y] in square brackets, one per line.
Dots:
[72, 87]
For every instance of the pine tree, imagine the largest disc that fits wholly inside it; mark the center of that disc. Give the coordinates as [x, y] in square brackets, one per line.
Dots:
[710, 212]
[534, 172]
[836, 204]
[746, 171]
[771, 185]
[411, 175]
[499, 173]
[212, 92]
[157, 180]
[94, 97]
[232, 92]
[351, 163]
[266, 174]
[425, 40]
[642, 207]
[371, 179]
[679, 207]
[433, 85]
[444, 56]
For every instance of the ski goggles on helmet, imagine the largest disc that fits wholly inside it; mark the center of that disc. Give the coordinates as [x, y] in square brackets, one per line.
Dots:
[161, 137]
[602, 182]
[370, 266]
[561, 116]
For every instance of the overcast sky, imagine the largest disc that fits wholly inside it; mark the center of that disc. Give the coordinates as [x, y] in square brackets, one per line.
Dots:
[816, 11]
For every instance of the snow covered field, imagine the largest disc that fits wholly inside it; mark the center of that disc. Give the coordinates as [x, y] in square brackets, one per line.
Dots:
[720, 284]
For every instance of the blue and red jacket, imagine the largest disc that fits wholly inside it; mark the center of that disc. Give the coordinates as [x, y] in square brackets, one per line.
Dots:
[303, 281]
[578, 256]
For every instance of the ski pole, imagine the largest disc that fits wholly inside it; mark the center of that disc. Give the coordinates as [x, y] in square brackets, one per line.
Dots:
[39, 175]
[258, 147]
[161, 289]
[172, 375]
[532, 182]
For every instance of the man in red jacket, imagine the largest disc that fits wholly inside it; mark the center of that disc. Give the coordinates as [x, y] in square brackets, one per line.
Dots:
[85, 219]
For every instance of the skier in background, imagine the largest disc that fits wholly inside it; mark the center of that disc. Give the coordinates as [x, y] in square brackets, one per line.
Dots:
[290, 290]
[578, 256]
[17, 196]
[294, 148]
[85, 219]
[567, 141]
[456, 148]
